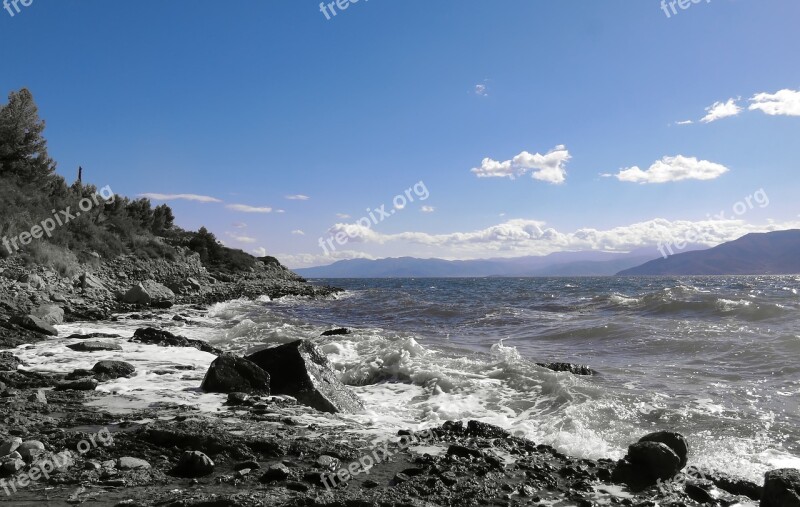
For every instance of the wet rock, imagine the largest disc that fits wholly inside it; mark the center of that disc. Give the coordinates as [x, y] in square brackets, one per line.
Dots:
[10, 445]
[38, 397]
[673, 440]
[35, 324]
[79, 374]
[92, 335]
[274, 473]
[781, 488]
[237, 399]
[11, 465]
[657, 459]
[250, 465]
[113, 369]
[9, 362]
[163, 338]
[129, 463]
[149, 293]
[301, 370]
[51, 314]
[84, 384]
[194, 464]
[336, 332]
[575, 369]
[94, 346]
[464, 452]
[229, 373]
[735, 485]
[29, 449]
[482, 429]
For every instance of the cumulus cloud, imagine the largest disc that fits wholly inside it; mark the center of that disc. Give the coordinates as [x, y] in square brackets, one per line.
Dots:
[240, 237]
[549, 167]
[531, 237]
[720, 110]
[482, 90]
[427, 209]
[672, 169]
[244, 208]
[259, 252]
[298, 197]
[298, 232]
[782, 103]
[179, 197]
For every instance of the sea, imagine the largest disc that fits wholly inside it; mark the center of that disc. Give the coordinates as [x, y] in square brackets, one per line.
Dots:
[714, 358]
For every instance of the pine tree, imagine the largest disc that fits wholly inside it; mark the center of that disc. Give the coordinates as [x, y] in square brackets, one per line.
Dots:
[23, 149]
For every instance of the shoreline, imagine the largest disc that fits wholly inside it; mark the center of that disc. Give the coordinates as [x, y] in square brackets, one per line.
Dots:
[463, 463]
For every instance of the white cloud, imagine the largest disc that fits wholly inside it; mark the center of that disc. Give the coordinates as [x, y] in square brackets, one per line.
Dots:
[549, 167]
[482, 90]
[685, 122]
[306, 260]
[720, 110]
[244, 208]
[298, 232]
[280, 211]
[239, 225]
[531, 237]
[782, 103]
[342, 216]
[672, 169]
[427, 209]
[259, 252]
[240, 238]
[179, 197]
[298, 197]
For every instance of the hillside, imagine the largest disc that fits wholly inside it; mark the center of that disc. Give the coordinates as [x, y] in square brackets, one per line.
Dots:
[772, 253]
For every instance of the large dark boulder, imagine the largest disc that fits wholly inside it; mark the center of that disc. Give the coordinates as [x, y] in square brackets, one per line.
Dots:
[781, 488]
[94, 346]
[149, 293]
[673, 440]
[35, 324]
[110, 370]
[163, 338]
[301, 370]
[657, 459]
[230, 374]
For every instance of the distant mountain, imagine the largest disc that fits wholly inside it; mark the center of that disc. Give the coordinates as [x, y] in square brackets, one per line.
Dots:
[557, 264]
[772, 253]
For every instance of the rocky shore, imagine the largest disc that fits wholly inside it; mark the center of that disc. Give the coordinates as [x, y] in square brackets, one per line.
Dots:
[279, 440]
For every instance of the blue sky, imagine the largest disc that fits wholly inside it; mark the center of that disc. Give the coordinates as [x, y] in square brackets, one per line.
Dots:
[249, 102]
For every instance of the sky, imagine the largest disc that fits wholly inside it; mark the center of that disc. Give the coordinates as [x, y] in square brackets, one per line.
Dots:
[453, 129]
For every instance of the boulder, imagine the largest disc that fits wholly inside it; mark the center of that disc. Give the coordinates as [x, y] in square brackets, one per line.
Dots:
[193, 464]
[94, 346]
[84, 384]
[30, 449]
[229, 373]
[163, 338]
[9, 362]
[149, 293]
[575, 369]
[336, 332]
[113, 369]
[129, 463]
[275, 473]
[35, 324]
[657, 459]
[781, 488]
[673, 440]
[51, 314]
[301, 370]
[87, 280]
[10, 446]
[34, 281]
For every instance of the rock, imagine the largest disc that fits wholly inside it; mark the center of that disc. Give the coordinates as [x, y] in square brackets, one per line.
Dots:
[336, 332]
[30, 449]
[92, 335]
[274, 473]
[9, 362]
[10, 446]
[51, 314]
[149, 293]
[114, 369]
[781, 488]
[129, 463]
[79, 374]
[87, 280]
[12, 465]
[464, 452]
[84, 384]
[94, 346]
[673, 440]
[229, 373]
[301, 370]
[193, 464]
[575, 369]
[735, 485]
[34, 281]
[657, 459]
[38, 397]
[36, 324]
[485, 430]
[236, 399]
[163, 338]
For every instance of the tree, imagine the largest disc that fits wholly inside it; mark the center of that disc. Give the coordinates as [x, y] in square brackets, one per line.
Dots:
[23, 150]
[163, 219]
